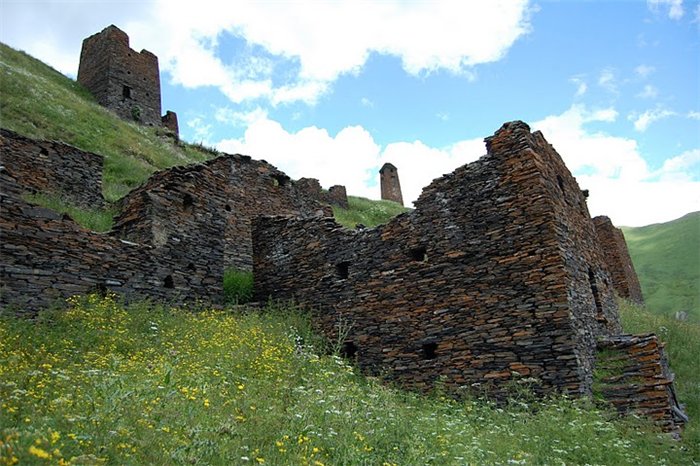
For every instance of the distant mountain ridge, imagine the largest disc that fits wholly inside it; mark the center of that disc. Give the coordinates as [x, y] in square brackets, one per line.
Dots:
[666, 257]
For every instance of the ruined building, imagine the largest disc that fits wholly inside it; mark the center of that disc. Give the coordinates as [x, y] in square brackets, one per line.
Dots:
[496, 275]
[389, 181]
[123, 80]
[618, 259]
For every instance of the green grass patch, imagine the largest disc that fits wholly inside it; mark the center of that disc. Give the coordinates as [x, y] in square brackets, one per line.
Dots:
[666, 257]
[39, 102]
[104, 383]
[99, 220]
[367, 212]
[238, 286]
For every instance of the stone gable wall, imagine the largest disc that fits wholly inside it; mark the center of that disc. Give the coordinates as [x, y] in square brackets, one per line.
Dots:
[121, 79]
[472, 287]
[618, 260]
[46, 257]
[175, 202]
[53, 167]
[336, 195]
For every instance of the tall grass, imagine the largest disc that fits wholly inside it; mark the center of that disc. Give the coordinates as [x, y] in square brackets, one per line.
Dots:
[238, 286]
[99, 220]
[367, 212]
[104, 383]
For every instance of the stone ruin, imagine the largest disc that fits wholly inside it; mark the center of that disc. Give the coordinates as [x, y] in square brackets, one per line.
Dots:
[618, 260]
[497, 276]
[389, 183]
[123, 80]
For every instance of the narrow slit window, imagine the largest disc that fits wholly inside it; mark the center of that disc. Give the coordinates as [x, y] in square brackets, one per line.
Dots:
[126, 92]
[560, 182]
[188, 202]
[596, 295]
[430, 350]
[343, 270]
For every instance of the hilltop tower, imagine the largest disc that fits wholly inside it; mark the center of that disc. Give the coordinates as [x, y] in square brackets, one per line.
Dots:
[121, 79]
[389, 180]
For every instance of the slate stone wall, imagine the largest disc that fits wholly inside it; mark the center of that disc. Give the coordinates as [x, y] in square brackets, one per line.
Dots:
[53, 167]
[487, 281]
[618, 260]
[46, 257]
[634, 376]
[121, 79]
[336, 195]
[175, 203]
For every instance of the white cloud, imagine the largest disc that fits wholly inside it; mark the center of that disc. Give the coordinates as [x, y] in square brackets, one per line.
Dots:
[613, 169]
[693, 115]
[581, 86]
[235, 118]
[365, 102]
[607, 80]
[649, 92]
[202, 130]
[642, 121]
[644, 71]
[313, 42]
[675, 7]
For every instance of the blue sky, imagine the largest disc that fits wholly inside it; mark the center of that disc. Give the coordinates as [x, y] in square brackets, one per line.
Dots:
[332, 90]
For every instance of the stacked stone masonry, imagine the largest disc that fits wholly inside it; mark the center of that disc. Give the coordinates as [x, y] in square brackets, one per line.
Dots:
[633, 375]
[54, 168]
[174, 203]
[618, 259]
[336, 195]
[123, 80]
[496, 276]
[47, 257]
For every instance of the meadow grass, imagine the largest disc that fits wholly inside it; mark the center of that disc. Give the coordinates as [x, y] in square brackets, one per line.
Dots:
[105, 383]
[367, 212]
[666, 257]
[99, 220]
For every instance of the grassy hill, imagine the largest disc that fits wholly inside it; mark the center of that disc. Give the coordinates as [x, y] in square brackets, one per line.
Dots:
[39, 102]
[666, 257]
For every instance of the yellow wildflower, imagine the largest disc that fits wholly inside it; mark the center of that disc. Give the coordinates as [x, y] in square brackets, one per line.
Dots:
[39, 452]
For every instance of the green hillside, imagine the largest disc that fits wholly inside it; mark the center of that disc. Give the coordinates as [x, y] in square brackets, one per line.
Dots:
[39, 102]
[666, 257]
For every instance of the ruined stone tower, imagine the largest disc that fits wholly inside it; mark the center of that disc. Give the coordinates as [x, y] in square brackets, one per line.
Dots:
[389, 179]
[121, 79]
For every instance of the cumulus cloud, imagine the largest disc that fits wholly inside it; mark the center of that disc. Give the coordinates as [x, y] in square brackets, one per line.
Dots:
[673, 7]
[643, 120]
[644, 71]
[620, 182]
[293, 50]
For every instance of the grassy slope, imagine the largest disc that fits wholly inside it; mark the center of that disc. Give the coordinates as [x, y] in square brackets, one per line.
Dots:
[39, 102]
[666, 257]
[152, 385]
[367, 212]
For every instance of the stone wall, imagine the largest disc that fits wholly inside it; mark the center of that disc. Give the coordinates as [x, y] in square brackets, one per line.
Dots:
[46, 257]
[389, 183]
[169, 121]
[174, 203]
[495, 275]
[53, 167]
[632, 374]
[618, 260]
[121, 79]
[336, 195]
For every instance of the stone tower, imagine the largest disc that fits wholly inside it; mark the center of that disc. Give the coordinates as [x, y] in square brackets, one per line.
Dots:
[389, 179]
[121, 79]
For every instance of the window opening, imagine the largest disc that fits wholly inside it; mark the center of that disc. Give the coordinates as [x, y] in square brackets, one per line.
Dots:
[348, 350]
[596, 296]
[430, 350]
[419, 254]
[168, 282]
[279, 180]
[126, 92]
[560, 182]
[343, 270]
[227, 207]
[188, 202]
